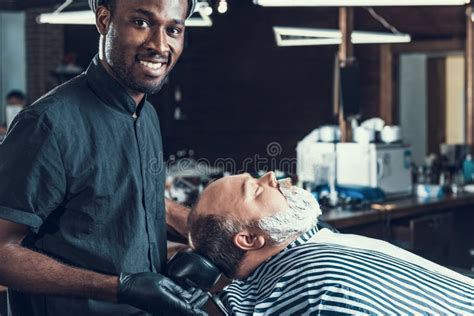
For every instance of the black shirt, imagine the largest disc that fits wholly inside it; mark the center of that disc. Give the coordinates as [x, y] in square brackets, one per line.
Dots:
[88, 180]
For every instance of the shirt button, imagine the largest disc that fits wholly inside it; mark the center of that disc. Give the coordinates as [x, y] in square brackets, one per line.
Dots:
[138, 124]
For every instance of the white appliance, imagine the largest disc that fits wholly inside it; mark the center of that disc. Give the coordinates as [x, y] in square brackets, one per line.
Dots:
[316, 162]
[383, 166]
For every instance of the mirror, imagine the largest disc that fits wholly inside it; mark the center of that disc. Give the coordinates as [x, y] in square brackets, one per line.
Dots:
[431, 99]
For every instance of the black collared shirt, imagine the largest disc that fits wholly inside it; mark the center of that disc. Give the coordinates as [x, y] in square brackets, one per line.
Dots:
[88, 179]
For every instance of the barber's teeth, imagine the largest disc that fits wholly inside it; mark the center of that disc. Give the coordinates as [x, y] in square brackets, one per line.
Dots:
[151, 65]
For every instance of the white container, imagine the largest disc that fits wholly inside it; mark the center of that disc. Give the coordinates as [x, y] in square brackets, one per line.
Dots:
[375, 124]
[329, 133]
[387, 167]
[391, 134]
[363, 135]
[315, 162]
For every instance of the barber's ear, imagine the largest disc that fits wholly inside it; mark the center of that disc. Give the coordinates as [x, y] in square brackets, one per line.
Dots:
[248, 241]
[103, 17]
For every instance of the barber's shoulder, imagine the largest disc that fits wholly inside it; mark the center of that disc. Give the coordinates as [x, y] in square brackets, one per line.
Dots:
[50, 115]
[57, 104]
[61, 95]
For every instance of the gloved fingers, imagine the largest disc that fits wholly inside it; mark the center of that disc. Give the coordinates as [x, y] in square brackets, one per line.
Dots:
[192, 300]
[199, 298]
[194, 296]
[176, 289]
[198, 312]
[179, 304]
[155, 293]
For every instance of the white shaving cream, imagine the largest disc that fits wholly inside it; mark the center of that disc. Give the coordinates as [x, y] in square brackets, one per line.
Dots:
[299, 218]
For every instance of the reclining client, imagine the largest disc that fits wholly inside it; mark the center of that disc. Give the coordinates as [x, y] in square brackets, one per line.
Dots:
[265, 236]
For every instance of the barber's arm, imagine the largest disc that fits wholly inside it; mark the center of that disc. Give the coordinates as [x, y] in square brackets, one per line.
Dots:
[177, 221]
[28, 271]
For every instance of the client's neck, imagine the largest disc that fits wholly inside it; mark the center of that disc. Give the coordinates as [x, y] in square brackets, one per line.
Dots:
[253, 259]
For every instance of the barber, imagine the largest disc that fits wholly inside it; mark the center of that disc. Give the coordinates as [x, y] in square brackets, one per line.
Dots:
[82, 208]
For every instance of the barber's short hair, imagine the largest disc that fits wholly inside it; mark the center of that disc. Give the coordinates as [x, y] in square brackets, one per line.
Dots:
[109, 4]
[212, 236]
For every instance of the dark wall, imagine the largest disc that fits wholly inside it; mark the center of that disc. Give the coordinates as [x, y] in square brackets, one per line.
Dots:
[44, 53]
[82, 40]
[240, 91]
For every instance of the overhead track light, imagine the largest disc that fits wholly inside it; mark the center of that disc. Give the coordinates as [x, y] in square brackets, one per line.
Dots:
[293, 36]
[222, 7]
[201, 16]
[70, 17]
[87, 17]
[357, 3]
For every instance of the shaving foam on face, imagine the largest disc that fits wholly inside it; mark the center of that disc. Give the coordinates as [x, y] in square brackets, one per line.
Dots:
[300, 217]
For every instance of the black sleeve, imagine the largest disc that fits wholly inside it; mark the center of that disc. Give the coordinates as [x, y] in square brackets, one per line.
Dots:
[32, 177]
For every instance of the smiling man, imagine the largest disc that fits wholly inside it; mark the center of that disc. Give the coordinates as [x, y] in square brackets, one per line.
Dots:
[82, 208]
[266, 236]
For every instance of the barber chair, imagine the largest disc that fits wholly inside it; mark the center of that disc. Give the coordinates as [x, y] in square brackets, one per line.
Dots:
[190, 269]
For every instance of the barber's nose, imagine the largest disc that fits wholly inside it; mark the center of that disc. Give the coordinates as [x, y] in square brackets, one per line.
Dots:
[159, 42]
[269, 178]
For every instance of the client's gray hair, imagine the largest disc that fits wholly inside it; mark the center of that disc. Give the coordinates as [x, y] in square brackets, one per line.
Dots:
[212, 236]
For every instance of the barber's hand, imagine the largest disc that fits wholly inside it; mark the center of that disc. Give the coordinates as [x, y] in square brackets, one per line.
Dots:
[155, 293]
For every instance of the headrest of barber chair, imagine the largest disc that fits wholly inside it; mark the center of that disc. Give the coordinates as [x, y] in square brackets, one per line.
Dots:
[191, 269]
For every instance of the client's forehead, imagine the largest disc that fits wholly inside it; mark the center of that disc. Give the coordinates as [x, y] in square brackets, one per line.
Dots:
[222, 195]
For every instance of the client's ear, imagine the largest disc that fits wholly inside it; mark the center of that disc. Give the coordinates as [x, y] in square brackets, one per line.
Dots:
[246, 240]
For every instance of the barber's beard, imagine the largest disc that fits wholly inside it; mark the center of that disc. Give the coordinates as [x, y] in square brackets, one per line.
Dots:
[126, 77]
[300, 217]
[123, 68]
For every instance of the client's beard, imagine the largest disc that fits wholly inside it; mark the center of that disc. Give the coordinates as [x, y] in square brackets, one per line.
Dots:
[300, 217]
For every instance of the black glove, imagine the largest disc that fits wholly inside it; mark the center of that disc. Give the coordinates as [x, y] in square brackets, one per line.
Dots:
[155, 293]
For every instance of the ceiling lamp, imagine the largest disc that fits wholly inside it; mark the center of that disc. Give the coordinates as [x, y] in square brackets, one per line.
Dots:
[71, 17]
[87, 17]
[201, 16]
[205, 8]
[222, 7]
[356, 3]
[293, 36]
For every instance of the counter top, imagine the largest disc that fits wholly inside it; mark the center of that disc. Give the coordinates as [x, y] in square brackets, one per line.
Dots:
[394, 209]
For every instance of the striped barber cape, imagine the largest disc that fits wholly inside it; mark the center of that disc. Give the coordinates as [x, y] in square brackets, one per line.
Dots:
[325, 273]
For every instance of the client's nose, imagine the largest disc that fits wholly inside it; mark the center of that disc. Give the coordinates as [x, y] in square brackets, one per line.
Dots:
[269, 178]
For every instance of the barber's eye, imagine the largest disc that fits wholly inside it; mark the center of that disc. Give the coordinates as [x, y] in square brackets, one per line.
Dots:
[175, 30]
[141, 23]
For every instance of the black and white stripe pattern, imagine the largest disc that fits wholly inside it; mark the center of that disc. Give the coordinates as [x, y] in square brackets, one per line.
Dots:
[318, 277]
